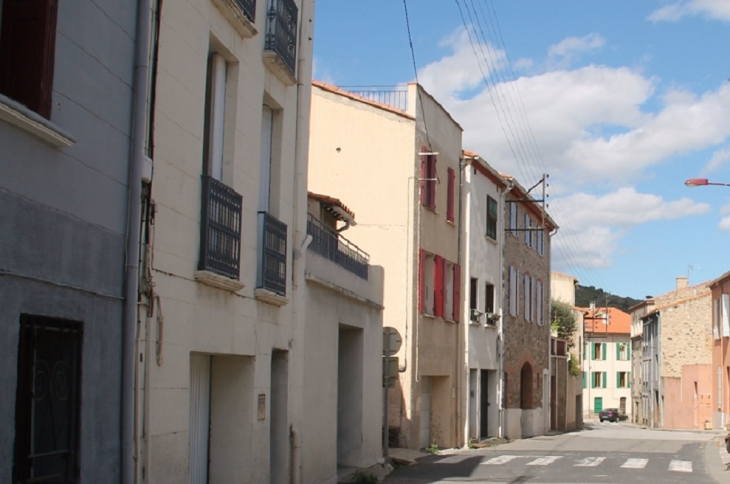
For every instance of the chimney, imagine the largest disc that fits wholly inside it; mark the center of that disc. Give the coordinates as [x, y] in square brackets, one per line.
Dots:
[682, 282]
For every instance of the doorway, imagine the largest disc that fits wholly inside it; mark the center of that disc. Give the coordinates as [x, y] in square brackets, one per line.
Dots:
[484, 405]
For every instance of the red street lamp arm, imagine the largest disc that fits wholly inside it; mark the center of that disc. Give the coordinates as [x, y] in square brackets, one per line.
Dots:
[700, 182]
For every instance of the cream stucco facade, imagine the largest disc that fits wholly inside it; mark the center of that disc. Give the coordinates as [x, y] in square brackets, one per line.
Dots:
[371, 154]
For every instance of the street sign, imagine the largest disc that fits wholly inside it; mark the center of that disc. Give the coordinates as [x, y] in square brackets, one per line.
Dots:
[392, 341]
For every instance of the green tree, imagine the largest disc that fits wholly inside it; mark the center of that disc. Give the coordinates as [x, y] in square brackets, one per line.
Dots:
[562, 321]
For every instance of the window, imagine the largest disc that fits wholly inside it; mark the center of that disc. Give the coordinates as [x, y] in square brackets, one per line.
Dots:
[528, 231]
[450, 195]
[215, 111]
[473, 296]
[27, 52]
[598, 379]
[716, 318]
[448, 290]
[725, 315]
[539, 297]
[513, 217]
[514, 291]
[492, 211]
[429, 269]
[446, 277]
[428, 180]
[623, 351]
[623, 379]
[540, 241]
[267, 140]
[599, 351]
[489, 298]
[48, 400]
[528, 297]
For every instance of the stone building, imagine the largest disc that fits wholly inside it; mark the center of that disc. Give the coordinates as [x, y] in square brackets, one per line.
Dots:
[677, 358]
[526, 325]
[66, 107]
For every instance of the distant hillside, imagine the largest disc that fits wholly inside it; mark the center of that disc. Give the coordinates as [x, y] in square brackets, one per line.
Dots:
[584, 296]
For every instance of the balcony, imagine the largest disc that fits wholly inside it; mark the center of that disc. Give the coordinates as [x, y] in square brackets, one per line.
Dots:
[280, 49]
[241, 14]
[272, 260]
[336, 248]
[220, 229]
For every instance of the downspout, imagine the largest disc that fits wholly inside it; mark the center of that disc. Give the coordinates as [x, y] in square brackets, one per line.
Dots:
[134, 214]
[460, 328]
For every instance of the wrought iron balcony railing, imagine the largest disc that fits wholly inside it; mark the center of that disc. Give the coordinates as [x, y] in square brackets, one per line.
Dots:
[272, 258]
[393, 96]
[336, 248]
[249, 9]
[281, 31]
[220, 229]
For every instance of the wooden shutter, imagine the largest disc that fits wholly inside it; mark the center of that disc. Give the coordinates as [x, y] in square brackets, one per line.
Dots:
[450, 195]
[593, 380]
[27, 52]
[628, 351]
[593, 351]
[618, 379]
[457, 292]
[603, 351]
[584, 379]
[438, 286]
[604, 378]
[618, 351]
[421, 280]
[628, 379]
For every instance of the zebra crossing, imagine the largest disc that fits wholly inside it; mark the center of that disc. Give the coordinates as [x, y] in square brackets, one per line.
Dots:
[630, 463]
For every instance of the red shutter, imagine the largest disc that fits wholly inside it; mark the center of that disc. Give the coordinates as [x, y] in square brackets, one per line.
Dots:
[457, 291]
[450, 195]
[432, 175]
[421, 280]
[438, 286]
[27, 52]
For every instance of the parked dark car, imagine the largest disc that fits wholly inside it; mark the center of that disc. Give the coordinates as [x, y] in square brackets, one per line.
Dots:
[612, 415]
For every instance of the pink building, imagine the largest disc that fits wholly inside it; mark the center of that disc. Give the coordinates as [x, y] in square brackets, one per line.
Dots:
[721, 351]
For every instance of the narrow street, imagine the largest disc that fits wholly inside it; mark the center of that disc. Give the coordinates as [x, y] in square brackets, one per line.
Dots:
[602, 453]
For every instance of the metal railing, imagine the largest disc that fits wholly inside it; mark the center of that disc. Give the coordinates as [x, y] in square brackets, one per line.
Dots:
[249, 9]
[272, 262]
[220, 229]
[281, 31]
[393, 96]
[336, 248]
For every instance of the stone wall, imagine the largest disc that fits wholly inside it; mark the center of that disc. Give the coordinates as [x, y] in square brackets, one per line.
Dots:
[686, 334]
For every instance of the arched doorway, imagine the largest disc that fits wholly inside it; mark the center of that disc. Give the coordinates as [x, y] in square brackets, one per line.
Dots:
[526, 398]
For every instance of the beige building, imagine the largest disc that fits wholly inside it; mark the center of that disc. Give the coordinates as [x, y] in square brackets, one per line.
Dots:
[394, 156]
[225, 335]
[637, 312]
[606, 361]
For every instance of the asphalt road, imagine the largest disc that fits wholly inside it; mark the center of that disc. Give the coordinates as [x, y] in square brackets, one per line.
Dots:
[602, 453]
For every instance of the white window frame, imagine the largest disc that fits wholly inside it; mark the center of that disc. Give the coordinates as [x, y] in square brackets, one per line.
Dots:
[725, 315]
[217, 115]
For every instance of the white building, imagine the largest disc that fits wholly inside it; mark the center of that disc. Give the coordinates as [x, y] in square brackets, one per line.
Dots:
[483, 200]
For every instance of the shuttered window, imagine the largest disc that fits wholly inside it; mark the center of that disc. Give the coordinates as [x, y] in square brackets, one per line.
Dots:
[492, 211]
[428, 180]
[438, 286]
[450, 195]
[27, 52]
[421, 280]
[457, 292]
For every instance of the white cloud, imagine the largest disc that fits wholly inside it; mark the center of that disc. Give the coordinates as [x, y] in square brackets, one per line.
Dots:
[563, 52]
[321, 74]
[597, 222]
[719, 158]
[724, 223]
[716, 9]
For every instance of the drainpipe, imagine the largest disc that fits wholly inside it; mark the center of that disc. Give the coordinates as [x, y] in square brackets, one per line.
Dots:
[134, 215]
[460, 328]
[294, 470]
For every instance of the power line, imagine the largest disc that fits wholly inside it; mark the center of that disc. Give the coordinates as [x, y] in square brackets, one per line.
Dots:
[415, 72]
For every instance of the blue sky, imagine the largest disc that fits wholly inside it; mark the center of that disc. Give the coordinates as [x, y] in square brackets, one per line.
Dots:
[619, 101]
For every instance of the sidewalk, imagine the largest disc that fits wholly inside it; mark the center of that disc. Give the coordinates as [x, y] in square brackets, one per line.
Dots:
[717, 460]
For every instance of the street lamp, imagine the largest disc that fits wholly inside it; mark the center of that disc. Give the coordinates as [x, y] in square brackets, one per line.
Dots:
[699, 182]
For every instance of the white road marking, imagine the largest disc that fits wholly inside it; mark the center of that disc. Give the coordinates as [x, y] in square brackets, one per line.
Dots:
[680, 466]
[544, 461]
[502, 459]
[635, 463]
[590, 462]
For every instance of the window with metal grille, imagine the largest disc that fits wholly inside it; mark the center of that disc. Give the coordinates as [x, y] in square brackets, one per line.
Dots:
[47, 400]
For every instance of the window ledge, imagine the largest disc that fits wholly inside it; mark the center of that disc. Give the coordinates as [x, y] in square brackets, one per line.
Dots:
[32, 122]
[234, 14]
[216, 280]
[426, 315]
[490, 239]
[270, 297]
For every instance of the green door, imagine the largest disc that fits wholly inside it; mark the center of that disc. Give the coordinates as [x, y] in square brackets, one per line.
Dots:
[597, 404]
